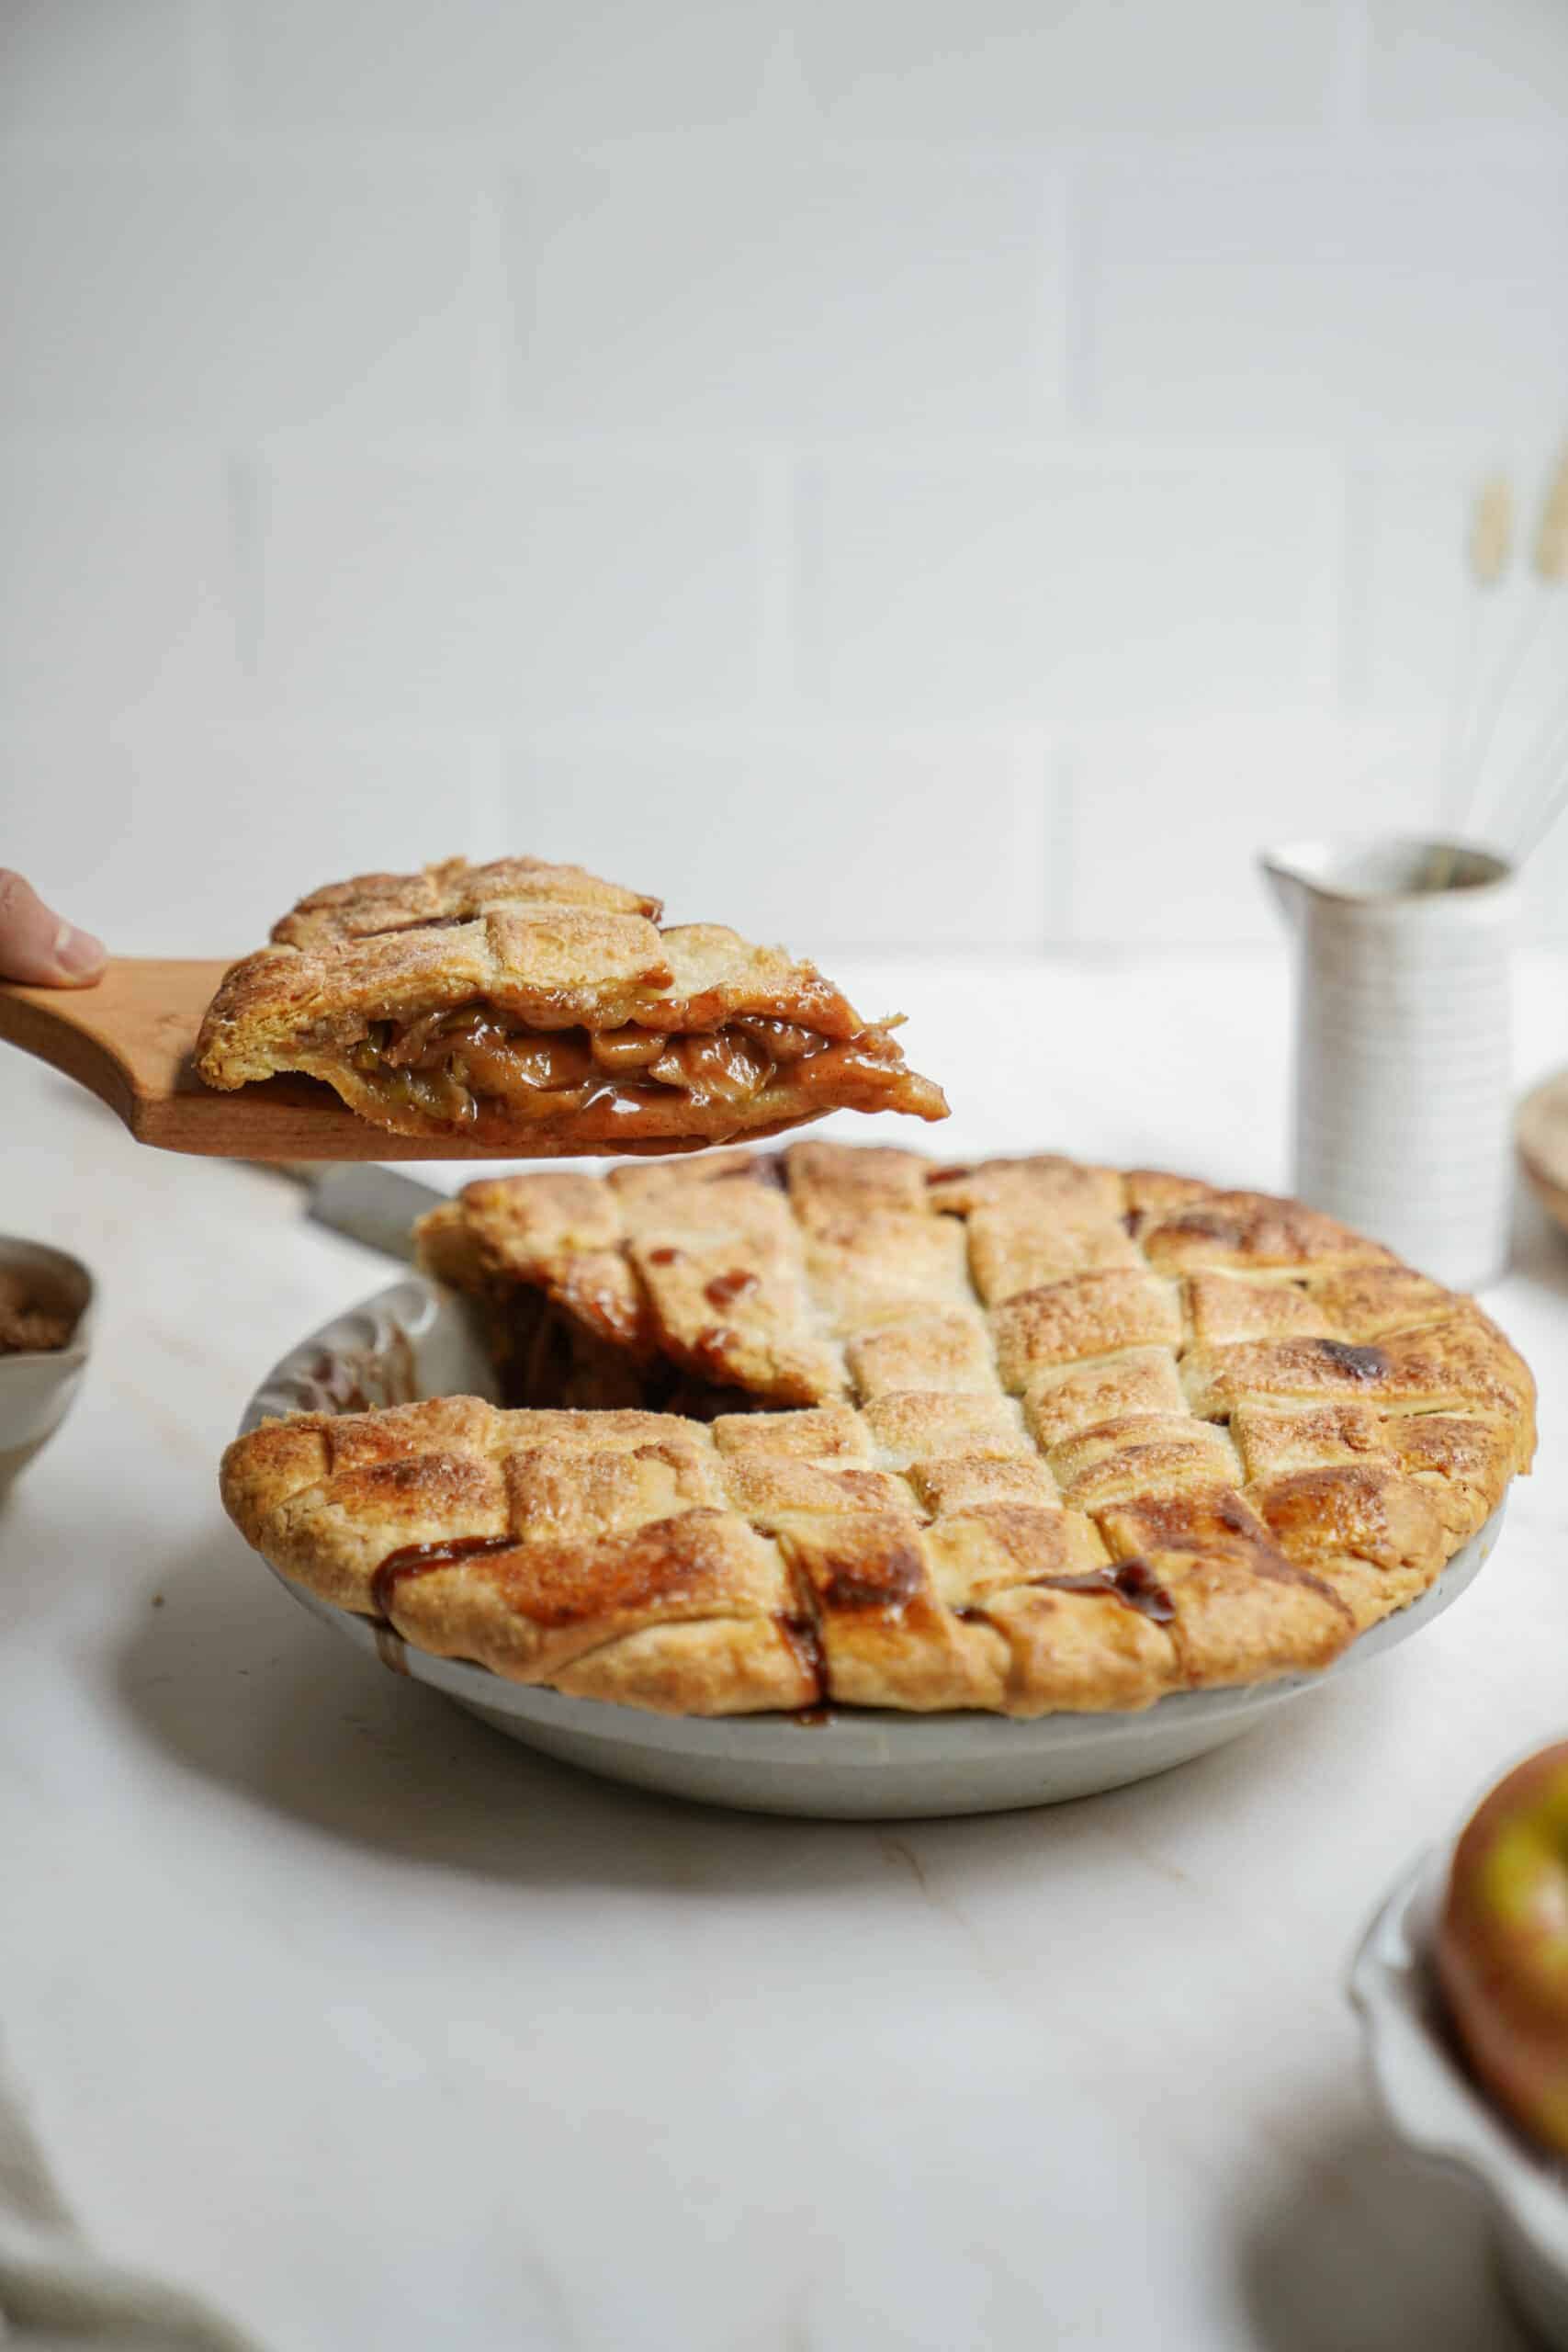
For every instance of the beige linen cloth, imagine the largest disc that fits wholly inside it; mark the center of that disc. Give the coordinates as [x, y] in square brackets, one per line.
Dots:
[57, 2293]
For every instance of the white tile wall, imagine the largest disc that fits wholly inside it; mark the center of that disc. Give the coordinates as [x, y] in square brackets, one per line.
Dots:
[712, 290]
[552, 70]
[1017, 69]
[509, 586]
[1442, 61]
[776, 830]
[1375, 295]
[1050, 590]
[116, 66]
[895, 475]
[118, 581]
[1408, 611]
[236, 298]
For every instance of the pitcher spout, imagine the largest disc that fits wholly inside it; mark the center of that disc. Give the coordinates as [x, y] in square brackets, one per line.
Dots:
[1384, 869]
[1281, 870]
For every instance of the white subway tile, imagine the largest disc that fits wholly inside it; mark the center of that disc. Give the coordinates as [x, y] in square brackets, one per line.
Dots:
[550, 70]
[114, 67]
[1409, 587]
[875, 838]
[233, 297]
[111, 839]
[1545, 890]
[514, 589]
[169, 840]
[714, 291]
[1013, 68]
[1166, 825]
[117, 590]
[1242, 294]
[974, 593]
[1449, 60]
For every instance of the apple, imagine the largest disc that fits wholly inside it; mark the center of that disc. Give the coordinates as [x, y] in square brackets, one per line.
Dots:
[1502, 1945]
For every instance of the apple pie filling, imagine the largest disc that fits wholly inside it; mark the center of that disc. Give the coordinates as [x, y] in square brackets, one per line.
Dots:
[450, 1064]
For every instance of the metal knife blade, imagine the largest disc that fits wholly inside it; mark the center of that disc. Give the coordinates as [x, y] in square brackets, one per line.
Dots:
[372, 1204]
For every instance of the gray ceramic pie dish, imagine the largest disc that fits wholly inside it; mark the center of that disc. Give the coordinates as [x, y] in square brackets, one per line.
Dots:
[858, 1764]
[38, 1388]
[1438, 2112]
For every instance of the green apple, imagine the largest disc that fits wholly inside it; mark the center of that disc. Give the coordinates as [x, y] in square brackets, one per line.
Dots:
[1502, 1947]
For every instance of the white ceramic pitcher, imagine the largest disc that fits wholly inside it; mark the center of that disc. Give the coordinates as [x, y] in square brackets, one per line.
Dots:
[1403, 1080]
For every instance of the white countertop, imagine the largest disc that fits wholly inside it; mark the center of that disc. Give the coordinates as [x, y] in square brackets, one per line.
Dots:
[386, 2032]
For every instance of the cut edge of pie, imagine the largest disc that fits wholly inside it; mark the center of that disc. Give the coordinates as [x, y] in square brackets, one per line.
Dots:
[1061, 1438]
[533, 1005]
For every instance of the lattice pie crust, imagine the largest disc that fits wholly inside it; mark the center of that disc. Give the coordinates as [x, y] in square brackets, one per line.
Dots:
[1022, 1436]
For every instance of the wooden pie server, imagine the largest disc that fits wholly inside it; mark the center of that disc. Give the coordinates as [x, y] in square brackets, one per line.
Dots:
[131, 1042]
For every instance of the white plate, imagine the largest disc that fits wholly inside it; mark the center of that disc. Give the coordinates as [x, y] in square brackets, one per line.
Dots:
[859, 1764]
[1436, 2110]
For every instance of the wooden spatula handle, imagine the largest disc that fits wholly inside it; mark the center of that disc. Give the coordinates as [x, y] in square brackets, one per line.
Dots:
[131, 1041]
[57, 1026]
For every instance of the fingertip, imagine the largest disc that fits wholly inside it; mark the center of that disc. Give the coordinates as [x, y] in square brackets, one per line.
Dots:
[79, 957]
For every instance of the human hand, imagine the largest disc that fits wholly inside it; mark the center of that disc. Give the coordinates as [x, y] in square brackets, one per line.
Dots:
[37, 946]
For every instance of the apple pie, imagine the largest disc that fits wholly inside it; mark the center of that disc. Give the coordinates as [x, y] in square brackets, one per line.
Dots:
[535, 1009]
[1022, 1436]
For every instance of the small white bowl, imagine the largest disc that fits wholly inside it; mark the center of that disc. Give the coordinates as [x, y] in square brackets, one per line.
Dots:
[37, 1387]
[1437, 2111]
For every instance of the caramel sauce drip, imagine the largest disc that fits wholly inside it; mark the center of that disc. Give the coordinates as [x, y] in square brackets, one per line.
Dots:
[391, 1648]
[804, 1643]
[419, 1559]
[763, 1167]
[724, 1289]
[892, 1586]
[1132, 1582]
[714, 1347]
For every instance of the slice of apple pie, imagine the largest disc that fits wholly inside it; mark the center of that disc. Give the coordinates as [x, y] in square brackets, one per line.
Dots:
[535, 1009]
